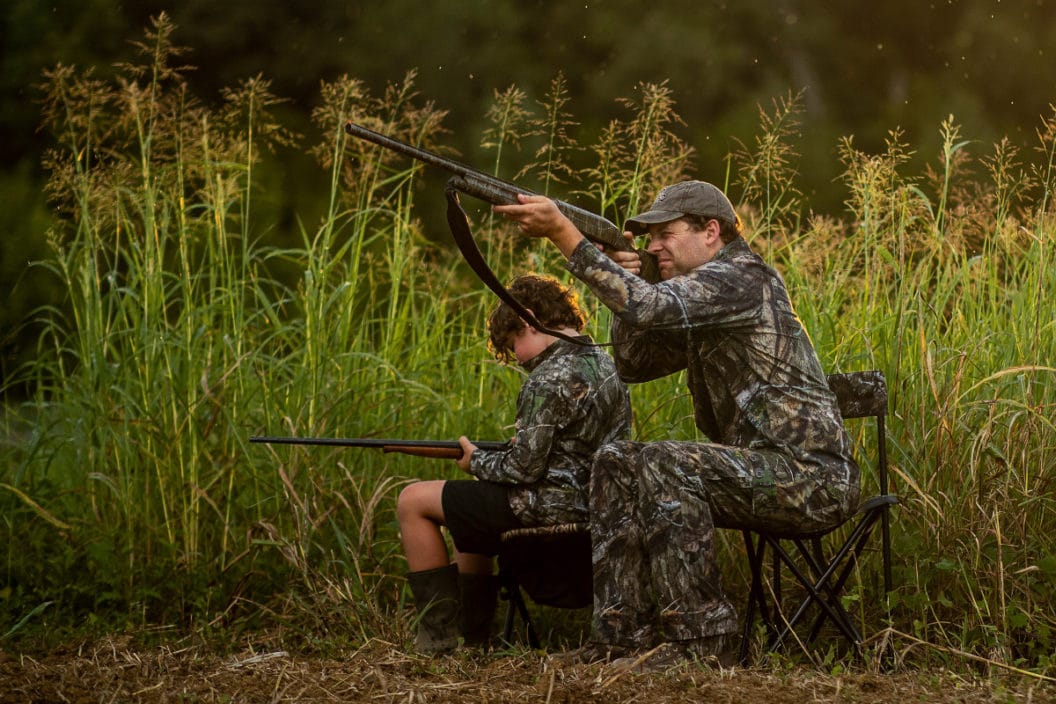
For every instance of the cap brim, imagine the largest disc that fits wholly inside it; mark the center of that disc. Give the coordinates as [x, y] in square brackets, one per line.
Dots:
[639, 224]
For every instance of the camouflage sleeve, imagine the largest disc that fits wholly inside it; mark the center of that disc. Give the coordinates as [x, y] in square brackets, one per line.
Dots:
[713, 294]
[644, 355]
[540, 407]
[640, 352]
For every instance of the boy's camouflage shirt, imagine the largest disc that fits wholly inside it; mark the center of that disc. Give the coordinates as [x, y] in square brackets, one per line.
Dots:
[572, 402]
[752, 371]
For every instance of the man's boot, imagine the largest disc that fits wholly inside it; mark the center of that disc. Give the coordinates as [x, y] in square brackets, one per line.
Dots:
[480, 594]
[439, 617]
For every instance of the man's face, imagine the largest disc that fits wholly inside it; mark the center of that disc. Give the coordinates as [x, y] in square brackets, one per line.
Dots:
[680, 249]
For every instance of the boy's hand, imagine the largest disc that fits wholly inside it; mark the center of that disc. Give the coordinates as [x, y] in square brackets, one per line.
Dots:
[468, 449]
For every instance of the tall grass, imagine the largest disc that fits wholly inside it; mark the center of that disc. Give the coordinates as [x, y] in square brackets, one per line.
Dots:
[131, 497]
[939, 280]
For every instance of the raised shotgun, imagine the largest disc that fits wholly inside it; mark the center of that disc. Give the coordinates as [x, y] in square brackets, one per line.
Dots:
[499, 192]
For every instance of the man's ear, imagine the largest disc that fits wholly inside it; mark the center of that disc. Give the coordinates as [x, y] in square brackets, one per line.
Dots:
[713, 230]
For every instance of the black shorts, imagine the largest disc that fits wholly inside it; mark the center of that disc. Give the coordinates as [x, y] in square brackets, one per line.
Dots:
[477, 513]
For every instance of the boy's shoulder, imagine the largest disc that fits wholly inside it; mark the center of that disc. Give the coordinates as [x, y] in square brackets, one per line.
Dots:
[565, 359]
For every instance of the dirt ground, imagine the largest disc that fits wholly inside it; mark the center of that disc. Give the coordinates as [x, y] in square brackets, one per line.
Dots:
[111, 670]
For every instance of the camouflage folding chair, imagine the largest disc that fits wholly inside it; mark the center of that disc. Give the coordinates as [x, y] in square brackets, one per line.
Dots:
[822, 574]
[549, 563]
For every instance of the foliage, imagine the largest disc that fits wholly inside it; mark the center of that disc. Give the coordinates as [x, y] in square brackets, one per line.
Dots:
[861, 70]
[129, 491]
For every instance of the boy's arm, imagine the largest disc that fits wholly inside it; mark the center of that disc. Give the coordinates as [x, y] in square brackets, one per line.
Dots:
[540, 410]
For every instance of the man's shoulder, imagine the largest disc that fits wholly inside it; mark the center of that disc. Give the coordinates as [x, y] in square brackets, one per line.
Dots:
[737, 271]
[740, 253]
[739, 266]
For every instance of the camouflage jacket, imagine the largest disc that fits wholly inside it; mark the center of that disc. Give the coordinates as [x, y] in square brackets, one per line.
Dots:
[572, 402]
[752, 371]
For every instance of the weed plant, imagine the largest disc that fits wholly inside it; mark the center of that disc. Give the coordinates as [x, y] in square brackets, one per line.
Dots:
[130, 496]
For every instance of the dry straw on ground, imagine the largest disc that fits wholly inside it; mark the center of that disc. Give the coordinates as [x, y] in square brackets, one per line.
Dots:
[113, 671]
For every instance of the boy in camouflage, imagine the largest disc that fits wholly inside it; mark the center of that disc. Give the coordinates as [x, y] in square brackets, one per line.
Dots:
[571, 403]
[779, 457]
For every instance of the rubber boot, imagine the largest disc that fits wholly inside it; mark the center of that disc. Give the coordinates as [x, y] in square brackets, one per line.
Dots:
[439, 614]
[480, 597]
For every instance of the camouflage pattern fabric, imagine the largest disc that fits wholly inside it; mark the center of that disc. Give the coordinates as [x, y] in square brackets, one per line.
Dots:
[781, 459]
[572, 402]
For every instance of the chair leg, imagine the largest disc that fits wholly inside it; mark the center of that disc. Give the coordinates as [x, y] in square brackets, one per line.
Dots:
[832, 590]
[859, 539]
[756, 551]
[511, 592]
[830, 603]
[749, 609]
[814, 595]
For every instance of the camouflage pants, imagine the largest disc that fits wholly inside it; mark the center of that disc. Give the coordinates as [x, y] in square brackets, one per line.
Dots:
[654, 509]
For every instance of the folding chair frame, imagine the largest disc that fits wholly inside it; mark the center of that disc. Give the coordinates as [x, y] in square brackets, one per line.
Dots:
[860, 394]
[510, 591]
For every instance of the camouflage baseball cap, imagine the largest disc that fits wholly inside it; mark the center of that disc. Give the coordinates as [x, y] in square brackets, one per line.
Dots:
[685, 198]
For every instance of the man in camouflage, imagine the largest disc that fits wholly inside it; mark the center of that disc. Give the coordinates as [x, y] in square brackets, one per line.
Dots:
[779, 457]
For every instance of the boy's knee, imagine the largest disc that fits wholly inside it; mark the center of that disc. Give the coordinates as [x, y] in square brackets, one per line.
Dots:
[419, 499]
[410, 500]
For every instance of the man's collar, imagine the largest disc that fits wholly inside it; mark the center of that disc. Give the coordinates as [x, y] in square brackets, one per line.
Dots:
[732, 248]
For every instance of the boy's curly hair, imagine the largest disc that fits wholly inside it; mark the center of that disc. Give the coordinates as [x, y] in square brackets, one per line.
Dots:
[554, 305]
